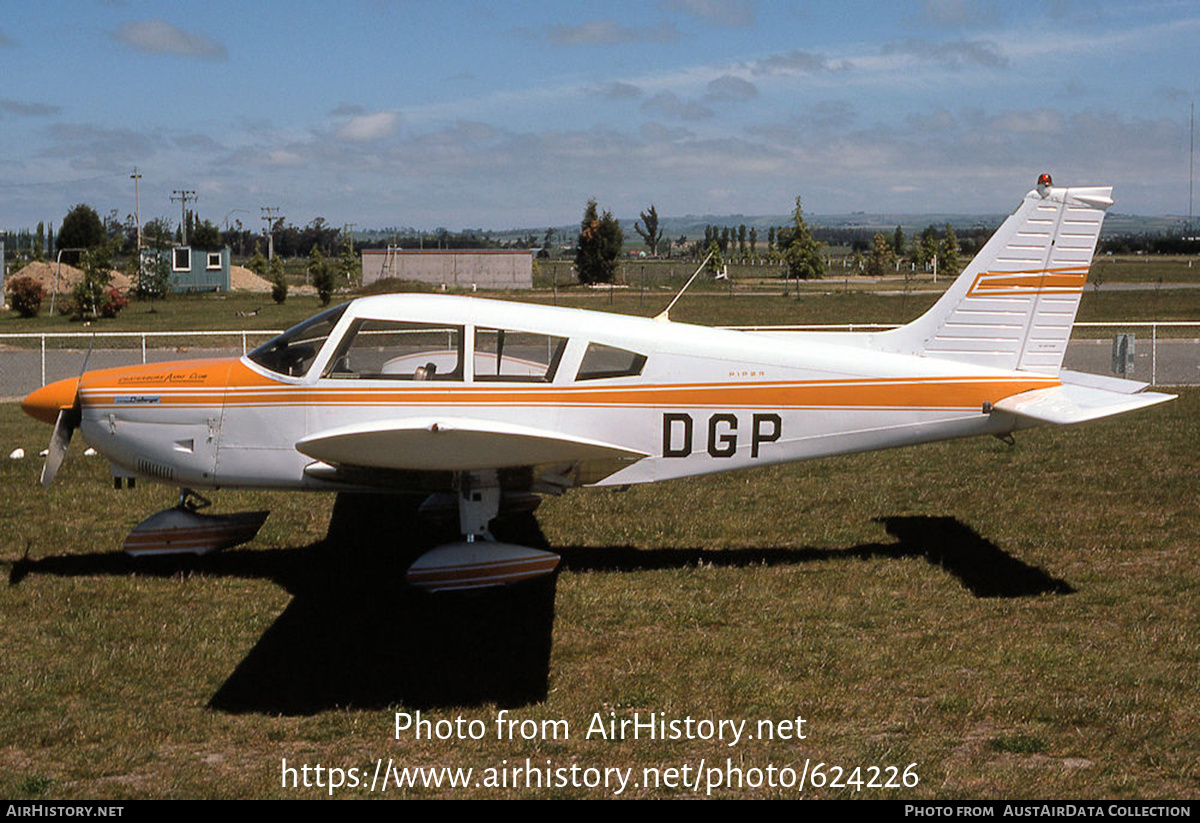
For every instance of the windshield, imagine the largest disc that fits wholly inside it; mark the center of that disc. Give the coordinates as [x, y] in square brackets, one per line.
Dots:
[293, 352]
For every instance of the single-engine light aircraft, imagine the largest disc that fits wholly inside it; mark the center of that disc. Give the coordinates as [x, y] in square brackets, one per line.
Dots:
[481, 401]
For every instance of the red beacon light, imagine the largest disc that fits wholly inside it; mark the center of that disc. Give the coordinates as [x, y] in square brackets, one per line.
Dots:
[1044, 180]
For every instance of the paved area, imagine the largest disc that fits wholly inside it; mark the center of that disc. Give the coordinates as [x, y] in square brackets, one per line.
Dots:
[1171, 362]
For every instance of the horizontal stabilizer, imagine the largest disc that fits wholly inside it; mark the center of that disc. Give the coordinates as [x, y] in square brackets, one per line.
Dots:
[1100, 381]
[454, 444]
[1076, 403]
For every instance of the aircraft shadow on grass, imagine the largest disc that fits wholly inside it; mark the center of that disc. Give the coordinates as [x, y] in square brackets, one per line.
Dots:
[355, 635]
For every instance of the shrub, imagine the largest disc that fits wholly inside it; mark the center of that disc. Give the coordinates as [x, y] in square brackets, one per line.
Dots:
[279, 285]
[152, 277]
[25, 296]
[69, 307]
[112, 302]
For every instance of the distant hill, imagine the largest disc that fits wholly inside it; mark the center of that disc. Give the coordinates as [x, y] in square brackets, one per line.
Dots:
[693, 225]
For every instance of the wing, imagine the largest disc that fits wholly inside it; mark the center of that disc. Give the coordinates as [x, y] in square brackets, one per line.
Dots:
[456, 444]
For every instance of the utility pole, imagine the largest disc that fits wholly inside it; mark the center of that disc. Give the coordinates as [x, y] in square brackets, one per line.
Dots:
[270, 215]
[348, 233]
[184, 196]
[137, 211]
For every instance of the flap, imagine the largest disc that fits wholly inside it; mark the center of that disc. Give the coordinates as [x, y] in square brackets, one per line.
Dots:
[453, 444]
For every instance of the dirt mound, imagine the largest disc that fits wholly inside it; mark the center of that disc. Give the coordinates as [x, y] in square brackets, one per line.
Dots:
[242, 279]
[68, 276]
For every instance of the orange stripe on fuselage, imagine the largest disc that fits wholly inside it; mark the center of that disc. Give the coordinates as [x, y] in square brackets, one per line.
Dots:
[213, 383]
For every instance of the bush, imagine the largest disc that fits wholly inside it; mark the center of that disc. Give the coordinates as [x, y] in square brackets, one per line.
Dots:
[112, 302]
[25, 296]
[69, 307]
[152, 277]
[322, 275]
[279, 285]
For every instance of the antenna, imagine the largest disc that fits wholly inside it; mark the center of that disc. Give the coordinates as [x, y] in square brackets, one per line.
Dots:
[1191, 166]
[664, 314]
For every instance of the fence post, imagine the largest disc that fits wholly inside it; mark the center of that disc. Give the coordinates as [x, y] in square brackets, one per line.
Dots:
[1154, 354]
[143, 349]
[43, 359]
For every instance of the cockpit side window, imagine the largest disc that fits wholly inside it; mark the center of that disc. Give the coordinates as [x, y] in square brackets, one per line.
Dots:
[293, 352]
[601, 361]
[516, 356]
[398, 350]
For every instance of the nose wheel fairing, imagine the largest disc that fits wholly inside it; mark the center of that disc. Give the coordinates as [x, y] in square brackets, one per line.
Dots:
[184, 530]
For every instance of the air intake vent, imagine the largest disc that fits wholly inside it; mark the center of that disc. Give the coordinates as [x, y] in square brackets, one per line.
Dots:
[148, 468]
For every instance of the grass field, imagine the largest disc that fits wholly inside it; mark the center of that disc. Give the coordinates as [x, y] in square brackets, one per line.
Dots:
[1017, 621]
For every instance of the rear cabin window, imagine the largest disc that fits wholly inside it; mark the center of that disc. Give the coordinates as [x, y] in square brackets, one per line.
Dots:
[601, 361]
[516, 356]
[397, 350]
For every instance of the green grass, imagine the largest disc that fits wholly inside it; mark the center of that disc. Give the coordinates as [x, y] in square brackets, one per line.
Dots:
[179, 313]
[1017, 621]
[1146, 269]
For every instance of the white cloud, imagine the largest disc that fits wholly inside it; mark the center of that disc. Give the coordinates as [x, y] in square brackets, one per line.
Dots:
[657, 132]
[950, 53]
[21, 109]
[609, 32]
[159, 37]
[792, 62]
[669, 104]
[367, 127]
[283, 157]
[730, 89]
[1037, 121]
[619, 91]
[732, 13]
[956, 13]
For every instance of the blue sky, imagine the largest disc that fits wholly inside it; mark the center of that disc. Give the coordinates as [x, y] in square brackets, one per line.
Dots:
[500, 115]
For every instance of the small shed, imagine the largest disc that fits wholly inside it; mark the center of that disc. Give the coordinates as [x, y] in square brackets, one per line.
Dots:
[195, 269]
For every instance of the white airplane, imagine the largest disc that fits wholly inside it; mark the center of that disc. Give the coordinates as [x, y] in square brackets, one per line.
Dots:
[486, 400]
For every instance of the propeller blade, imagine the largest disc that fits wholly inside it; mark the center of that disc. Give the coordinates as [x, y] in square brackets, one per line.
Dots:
[64, 427]
[41, 402]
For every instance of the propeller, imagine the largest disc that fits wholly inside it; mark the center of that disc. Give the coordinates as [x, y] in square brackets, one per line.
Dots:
[64, 426]
[60, 402]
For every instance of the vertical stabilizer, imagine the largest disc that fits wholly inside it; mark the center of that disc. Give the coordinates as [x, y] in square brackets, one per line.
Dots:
[1014, 304]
